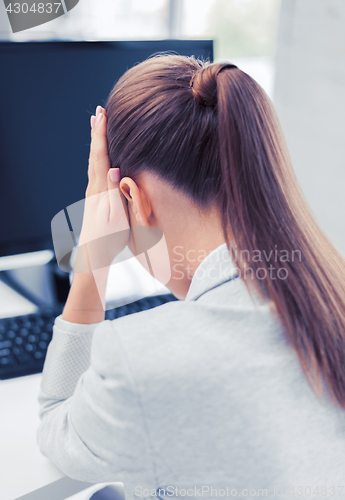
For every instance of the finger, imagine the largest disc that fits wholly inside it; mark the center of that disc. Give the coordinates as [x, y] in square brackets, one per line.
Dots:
[99, 161]
[114, 175]
[117, 202]
[99, 109]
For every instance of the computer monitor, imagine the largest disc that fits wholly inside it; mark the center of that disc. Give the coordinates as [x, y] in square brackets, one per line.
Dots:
[48, 91]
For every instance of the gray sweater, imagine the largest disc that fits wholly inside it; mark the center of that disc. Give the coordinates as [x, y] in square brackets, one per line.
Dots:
[200, 398]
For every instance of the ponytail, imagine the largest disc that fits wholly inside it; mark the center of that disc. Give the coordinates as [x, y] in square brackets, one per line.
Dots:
[298, 269]
[211, 131]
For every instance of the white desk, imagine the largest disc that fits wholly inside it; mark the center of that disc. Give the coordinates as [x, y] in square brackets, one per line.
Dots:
[23, 470]
[22, 467]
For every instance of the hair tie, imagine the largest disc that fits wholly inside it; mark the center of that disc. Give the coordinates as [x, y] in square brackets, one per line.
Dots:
[203, 83]
[227, 66]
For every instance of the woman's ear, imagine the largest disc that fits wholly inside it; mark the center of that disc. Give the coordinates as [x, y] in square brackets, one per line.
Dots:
[138, 203]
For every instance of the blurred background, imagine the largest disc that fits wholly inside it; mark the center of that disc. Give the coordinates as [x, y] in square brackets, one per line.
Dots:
[294, 48]
[243, 30]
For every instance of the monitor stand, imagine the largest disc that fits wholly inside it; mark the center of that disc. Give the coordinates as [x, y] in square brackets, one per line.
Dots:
[46, 285]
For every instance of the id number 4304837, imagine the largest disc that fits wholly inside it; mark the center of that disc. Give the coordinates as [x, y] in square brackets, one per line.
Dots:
[39, 8]
[316, 491]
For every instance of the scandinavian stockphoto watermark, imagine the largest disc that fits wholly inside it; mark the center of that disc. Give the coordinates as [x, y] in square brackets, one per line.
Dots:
[26, 14]
[298, 491]
[256, 264]
[98, 247]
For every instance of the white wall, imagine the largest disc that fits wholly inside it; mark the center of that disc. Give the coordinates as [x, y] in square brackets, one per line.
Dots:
[310, 99]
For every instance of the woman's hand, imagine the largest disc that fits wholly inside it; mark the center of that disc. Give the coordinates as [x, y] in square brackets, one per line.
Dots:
[105, 231]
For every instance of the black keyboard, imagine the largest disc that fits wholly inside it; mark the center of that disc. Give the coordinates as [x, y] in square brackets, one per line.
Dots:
[24, 339]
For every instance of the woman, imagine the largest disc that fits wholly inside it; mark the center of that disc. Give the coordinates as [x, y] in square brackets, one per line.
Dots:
[238, 389]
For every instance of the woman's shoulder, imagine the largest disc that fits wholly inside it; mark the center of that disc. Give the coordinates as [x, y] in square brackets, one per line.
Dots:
[223, 320]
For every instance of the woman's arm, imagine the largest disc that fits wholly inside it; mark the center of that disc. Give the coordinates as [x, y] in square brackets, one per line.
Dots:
[92, 427]
[82, 390]
[85, 303]
[104, 234]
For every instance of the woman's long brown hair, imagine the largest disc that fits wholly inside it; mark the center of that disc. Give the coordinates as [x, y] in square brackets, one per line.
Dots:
[211, 131]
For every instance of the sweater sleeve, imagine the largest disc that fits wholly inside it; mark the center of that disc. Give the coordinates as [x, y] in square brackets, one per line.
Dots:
[68, 357]
[92, 424]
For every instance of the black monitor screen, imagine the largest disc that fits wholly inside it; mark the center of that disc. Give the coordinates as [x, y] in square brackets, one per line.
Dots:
[48, 91]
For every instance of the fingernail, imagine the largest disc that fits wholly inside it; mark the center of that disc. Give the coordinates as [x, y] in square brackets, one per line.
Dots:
[98, 110]
[115, 174]
[99, 118]
[93, 118]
